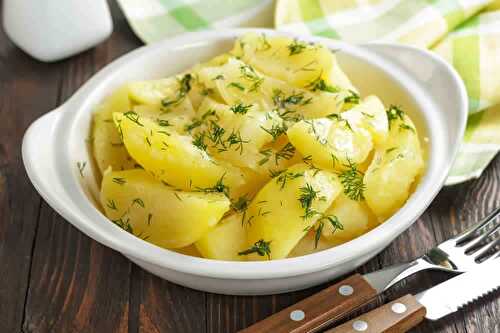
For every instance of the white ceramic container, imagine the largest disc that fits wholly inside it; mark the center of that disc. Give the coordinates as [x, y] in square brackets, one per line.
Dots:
[428, 89]
[51, 30]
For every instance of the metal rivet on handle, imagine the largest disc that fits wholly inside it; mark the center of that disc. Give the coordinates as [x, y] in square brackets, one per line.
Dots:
[346, 290]
[398, 308]
[297, 315]
[360, 325]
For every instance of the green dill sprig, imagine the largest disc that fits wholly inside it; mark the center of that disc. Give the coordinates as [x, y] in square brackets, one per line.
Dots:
[163, 123]
[206, 92]
[352, 181]
[264, 42]
[199, 141]
[320, 225]
[138, 201]
[307, 196]
[111, 204]
[241, 206]
[261, 247]
[119, 180]
[240, 108]
[320, 84]
[133, 117]
[219, 77]
[124, 224]
[236, 85]
[406, 127]
[280, 100]
[352, 98]
[219, 187]
[249, 74]
[284, 176]
[276, 130]
[296, 47]
[285, 153]
[234, 139]
[184, 88]
[308, 161]
[81, 167]
[394, 113]
[211, 113]
[267, 153]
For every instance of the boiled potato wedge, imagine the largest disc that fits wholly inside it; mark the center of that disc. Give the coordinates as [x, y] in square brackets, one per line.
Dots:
[331, 143]
[107, 145]
[395, 166]
[283, 210]
[355, 218]
[309, 245]
[173, 158]
[145, 207]
[369, 114]
[286, 59]
[225, 240]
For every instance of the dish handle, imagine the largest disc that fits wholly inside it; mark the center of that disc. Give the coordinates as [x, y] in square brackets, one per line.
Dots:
[38, 153]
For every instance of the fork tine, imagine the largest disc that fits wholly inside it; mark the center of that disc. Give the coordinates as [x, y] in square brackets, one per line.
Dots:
[481, 238]
[479, 254]
[466, 235]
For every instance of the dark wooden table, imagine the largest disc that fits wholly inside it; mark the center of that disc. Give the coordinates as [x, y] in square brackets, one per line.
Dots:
[53, 278]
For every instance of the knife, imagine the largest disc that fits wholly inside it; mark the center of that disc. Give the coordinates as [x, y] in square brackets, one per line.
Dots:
[434, 303]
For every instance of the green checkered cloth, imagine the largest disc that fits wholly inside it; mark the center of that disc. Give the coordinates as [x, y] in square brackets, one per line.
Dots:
[466, 33]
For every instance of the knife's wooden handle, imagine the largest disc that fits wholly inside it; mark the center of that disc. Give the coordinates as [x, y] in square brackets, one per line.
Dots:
[314, 312]
[397, 316]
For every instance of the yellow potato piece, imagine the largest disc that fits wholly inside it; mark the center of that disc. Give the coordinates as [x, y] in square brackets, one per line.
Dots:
[354, 216]
[331, 144]
[286, 206]
[289, 60]
[107, 145]
[369, 114]
[225, 240]
[173, 158]
[394, 168]
[307, 245]
[243, 130]
[145, 207]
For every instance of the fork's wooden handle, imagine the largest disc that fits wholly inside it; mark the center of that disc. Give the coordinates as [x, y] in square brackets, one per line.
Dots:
[397, 316]
[314, 312]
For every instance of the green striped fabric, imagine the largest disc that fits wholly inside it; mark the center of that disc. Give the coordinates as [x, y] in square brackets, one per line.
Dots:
[466, 33]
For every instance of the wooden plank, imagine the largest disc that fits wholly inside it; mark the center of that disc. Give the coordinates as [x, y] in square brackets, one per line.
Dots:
[76, 284]
[28, 89]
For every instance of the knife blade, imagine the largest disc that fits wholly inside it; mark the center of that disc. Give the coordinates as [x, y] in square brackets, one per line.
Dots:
[434, 303]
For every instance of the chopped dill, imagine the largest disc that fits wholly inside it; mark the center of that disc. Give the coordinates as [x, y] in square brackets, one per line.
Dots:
[218, 77]
[261, 247]
[308, 161]
[249, 74]
[332, 219]
[236, 85]
[150, 217]
[406, 127]
[320, 84]
[352, 181]
[184, 88]
[286, 153]
[393, 113]
[81, 167]
[296, 47]
[124, 224]
[199, 141]
[284, 176]
[219, 187]
[138, 201]
[119, 180]
[240, 108]
[388, 151]
[111, 204]
[133, 117]
[163, 123]
[265, 43]
[148, 141]
[353, 97]
[276, 130]
[307, 195]
[241, 206]
[206, 92]
[280, 100]
[267, 153]
[275, 173]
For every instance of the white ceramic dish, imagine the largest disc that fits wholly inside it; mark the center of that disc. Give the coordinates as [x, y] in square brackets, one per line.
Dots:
[429, 89]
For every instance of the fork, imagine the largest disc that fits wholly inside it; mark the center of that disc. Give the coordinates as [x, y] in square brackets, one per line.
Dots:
[458, 254]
